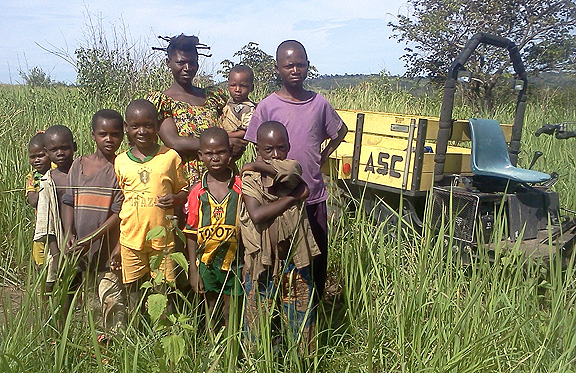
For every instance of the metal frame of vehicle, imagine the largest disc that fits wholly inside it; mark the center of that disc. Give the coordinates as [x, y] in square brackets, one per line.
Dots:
[400, 158]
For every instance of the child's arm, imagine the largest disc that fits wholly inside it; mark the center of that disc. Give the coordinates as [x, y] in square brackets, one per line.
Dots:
[68, 225]
[115, 259]
[185, 146]
[32, 188]
[333, 144]
[83, 243]
[237, 143]
[260, 166]
[33, 199]
[263, 213]
[238, 134]
[170, 200]
[193, 274]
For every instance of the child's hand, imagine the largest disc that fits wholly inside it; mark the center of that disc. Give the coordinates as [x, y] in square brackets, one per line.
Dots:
[260, 166]
[115, 260]
[237, 146]
[78, 249]
[70, 243]
[166, 202]
[73, 247]
[301, 192]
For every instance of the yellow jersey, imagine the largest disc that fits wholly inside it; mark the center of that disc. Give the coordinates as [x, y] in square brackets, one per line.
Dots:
[142, 182]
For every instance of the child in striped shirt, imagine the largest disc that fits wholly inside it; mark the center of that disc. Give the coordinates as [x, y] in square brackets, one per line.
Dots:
[212, 225]
[90, 218]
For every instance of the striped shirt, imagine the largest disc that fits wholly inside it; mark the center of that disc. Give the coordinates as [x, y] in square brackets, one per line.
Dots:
[95, 198]
[215, 223]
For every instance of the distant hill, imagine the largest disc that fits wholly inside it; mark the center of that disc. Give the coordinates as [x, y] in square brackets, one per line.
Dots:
[553, 80]
[419, 86]
[329, 82]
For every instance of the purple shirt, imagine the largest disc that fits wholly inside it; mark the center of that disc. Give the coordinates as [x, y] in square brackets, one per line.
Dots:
[309, 123]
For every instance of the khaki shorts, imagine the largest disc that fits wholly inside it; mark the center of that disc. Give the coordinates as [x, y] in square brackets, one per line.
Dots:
[38, 252]
[136, 264]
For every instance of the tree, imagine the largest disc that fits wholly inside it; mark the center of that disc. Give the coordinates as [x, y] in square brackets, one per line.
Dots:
[36, 77]
[262, 64]
[437, 30]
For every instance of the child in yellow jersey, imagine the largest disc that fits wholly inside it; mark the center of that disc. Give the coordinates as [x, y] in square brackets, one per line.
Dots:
[152, 180]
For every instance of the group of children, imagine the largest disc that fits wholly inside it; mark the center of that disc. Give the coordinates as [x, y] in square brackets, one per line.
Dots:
[262, 233]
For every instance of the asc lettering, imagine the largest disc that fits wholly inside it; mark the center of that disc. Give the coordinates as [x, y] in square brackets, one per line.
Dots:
[384, 167]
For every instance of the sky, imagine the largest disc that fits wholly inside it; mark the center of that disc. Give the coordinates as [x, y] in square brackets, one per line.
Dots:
[340, 36]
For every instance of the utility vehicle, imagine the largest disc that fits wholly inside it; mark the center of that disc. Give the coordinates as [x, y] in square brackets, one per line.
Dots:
[393, 161]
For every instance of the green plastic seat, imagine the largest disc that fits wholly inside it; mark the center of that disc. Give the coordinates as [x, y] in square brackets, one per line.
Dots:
[490, 154]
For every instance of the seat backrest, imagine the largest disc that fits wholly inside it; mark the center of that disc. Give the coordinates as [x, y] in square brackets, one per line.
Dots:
[489, 147]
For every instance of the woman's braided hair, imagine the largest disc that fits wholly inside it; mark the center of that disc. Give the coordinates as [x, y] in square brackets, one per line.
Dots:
[183, 43]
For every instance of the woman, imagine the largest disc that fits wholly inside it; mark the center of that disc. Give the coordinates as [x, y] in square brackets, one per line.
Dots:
[186, 110]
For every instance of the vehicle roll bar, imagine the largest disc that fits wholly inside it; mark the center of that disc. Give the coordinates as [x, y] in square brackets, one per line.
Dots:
[445, 125]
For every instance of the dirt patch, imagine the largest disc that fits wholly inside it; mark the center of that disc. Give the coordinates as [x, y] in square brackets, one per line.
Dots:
[11, 300]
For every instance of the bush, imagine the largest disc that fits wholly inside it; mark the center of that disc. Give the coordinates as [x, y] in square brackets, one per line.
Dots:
[36, 77]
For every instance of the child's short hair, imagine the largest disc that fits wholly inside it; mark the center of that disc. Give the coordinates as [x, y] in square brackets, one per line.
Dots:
[290, 44]
[107, 114]
[60, 131]
[270, 126]
[215, 133]
[243, 69]
[36, 140]
[141, 105]
[183, 43]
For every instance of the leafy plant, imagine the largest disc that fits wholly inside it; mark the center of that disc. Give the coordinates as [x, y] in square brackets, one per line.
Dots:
[172, 344]
[36, 77]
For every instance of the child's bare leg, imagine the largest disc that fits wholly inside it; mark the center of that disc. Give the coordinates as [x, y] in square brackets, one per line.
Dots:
[134, 302]
[299, 306]
[51, 257]
[211, 317]
[72, 286]
[226, 300]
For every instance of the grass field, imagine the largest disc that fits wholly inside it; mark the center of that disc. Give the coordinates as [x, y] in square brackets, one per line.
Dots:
[400, 305]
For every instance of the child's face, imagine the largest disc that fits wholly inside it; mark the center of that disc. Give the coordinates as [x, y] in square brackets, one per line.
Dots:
[184, 66]
[292, 67]
[239, 86]
[38, 158]
[215, 154]
[141, 128]
[60, 150]
[273, 145]
[108, 136]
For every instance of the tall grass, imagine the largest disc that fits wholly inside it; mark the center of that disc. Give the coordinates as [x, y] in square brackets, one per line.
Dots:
[403, 304]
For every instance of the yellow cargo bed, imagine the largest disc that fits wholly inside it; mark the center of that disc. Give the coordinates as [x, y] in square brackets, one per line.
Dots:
[396, 151]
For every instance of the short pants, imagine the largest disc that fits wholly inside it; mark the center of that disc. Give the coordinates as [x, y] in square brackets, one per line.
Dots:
[136, 264]
[38, 252]
[217, 280]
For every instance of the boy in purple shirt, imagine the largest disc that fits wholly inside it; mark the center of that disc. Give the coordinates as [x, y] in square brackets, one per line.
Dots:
[309, 119]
